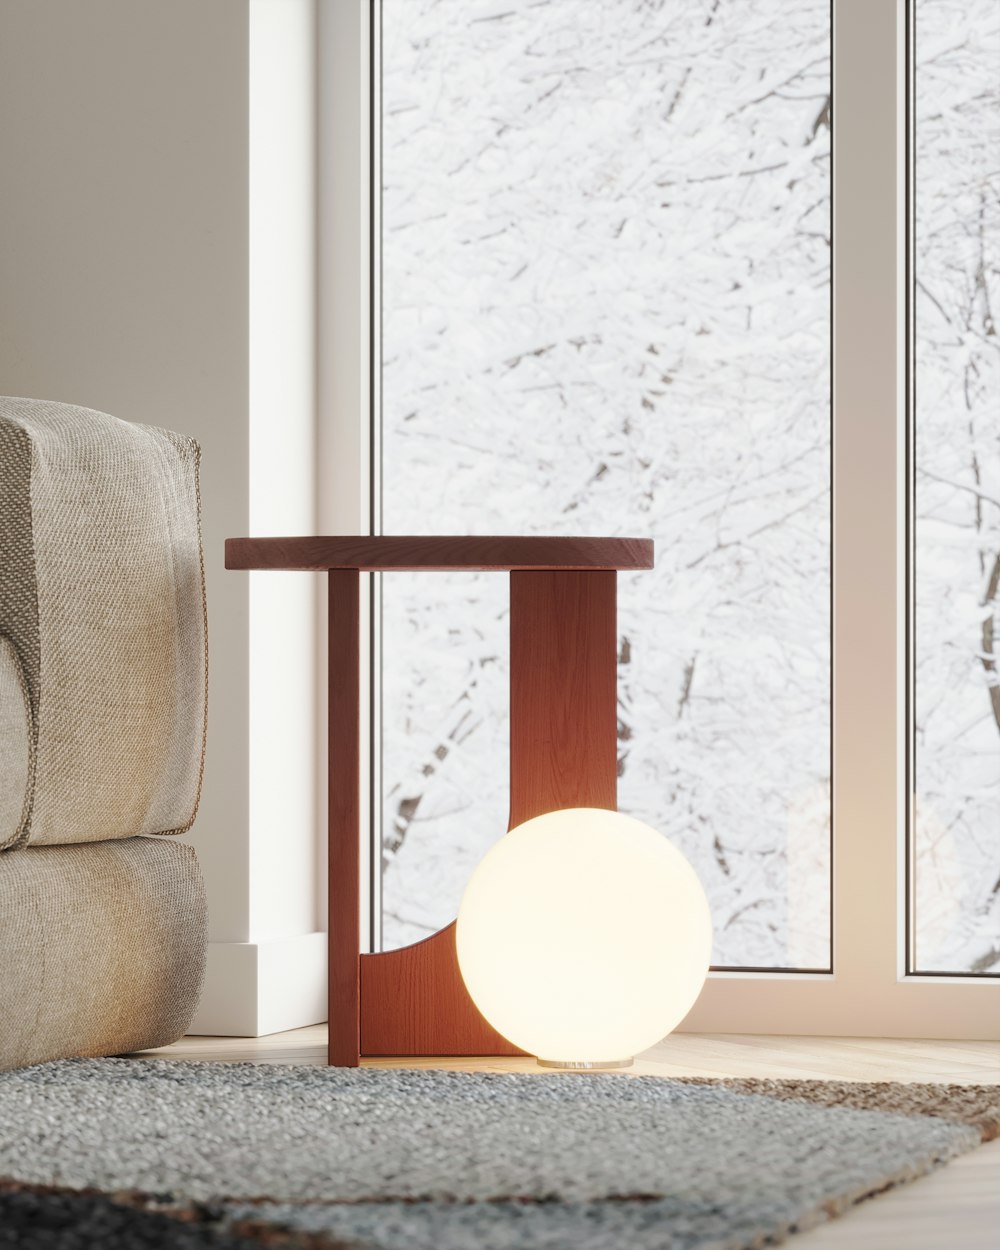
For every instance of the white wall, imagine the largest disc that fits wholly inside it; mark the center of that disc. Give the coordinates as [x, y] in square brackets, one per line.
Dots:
[135, 279]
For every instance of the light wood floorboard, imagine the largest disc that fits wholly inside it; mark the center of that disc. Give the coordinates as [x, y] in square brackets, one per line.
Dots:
[956, 1208]
[681, 1054]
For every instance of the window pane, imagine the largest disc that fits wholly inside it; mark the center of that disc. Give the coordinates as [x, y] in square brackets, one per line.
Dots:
[605, 274]
[956, 626]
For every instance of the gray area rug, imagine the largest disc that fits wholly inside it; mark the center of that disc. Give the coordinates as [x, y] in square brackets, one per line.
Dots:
[184, 1154]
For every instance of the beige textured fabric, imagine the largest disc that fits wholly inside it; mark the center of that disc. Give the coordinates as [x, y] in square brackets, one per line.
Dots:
[16, 753]
[102, 600]
[102, 948]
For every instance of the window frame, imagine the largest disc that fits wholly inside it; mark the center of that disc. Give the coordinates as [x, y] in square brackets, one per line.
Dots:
[870, 991]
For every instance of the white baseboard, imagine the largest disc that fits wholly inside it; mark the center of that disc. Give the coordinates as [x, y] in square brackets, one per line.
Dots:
[255, 988]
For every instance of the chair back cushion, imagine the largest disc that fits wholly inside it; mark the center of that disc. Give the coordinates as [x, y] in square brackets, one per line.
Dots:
[102, 627]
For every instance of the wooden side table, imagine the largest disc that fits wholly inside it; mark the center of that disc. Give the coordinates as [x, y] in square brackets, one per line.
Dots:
[563, 751]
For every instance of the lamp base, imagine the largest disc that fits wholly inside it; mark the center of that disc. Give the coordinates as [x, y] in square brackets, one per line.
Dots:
[595, 1065]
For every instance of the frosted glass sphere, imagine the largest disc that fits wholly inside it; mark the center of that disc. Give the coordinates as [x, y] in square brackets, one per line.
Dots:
[584, 937]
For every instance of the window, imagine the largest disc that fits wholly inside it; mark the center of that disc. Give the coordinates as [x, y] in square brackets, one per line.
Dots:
[605, 261]
[605, 309]
[956, 492]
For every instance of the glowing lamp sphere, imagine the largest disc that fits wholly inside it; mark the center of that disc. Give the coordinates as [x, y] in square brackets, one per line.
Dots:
[584, 937]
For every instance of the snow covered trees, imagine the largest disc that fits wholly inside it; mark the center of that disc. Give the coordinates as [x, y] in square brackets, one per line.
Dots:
[606, 309]
[957, 487]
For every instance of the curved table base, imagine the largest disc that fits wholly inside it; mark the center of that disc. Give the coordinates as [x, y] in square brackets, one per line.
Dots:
[414, 1002]
[563, 753]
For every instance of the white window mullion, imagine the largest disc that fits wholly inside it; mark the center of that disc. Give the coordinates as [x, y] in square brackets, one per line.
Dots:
[346, 395]
[868, 421]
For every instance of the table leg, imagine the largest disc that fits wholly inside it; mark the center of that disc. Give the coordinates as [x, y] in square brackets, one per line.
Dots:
[563, 691]
[344, 816]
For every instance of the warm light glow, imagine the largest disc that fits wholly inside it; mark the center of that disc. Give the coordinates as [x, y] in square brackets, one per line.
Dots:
[584, 936]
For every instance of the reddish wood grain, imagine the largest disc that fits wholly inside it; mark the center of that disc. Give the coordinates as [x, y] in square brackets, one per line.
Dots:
[344, 817]
[563, 753]
[563, 692]
[428, 553]
[414, 1002]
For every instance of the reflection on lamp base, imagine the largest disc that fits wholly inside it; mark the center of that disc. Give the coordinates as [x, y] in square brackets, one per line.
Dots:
[586, 1064]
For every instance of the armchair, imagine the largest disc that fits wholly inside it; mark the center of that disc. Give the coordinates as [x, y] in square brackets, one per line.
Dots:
[102, 733]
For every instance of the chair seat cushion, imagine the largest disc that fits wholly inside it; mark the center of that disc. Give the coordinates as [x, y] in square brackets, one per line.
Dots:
[102, 948]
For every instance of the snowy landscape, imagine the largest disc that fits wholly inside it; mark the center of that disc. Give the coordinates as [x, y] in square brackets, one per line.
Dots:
[606, 310]
[957, 488]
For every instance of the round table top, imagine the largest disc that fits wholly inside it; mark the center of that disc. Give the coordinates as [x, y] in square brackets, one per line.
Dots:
[439, 552]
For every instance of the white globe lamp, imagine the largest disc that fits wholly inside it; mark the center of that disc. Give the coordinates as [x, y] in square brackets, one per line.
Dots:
[584, 937]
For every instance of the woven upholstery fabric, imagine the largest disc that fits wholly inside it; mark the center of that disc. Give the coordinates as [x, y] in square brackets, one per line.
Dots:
[102, 948]
[102, 604]
[16, 747]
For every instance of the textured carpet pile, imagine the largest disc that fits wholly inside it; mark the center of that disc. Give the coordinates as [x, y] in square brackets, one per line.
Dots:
[122, 1153]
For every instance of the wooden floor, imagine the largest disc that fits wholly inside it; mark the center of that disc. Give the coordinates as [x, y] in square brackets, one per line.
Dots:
[956, 1208]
